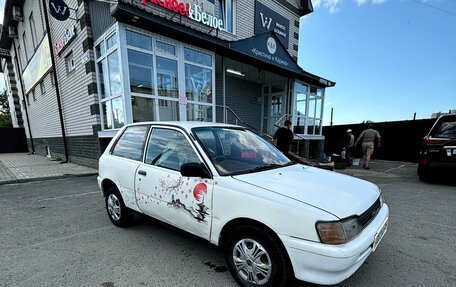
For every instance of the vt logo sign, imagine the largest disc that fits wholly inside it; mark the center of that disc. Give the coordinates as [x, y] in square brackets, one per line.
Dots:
[265, 21]
[59, 10]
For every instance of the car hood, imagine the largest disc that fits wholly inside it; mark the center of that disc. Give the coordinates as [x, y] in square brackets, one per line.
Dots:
[335, 193]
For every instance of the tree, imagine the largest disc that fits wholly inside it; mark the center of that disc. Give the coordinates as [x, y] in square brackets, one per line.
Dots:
[5, 116]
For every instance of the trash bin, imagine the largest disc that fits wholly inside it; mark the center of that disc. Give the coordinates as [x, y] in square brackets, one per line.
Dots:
[339, 163]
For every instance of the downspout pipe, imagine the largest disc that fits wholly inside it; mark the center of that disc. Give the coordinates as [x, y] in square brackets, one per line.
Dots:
[57, 91]
[19, 73]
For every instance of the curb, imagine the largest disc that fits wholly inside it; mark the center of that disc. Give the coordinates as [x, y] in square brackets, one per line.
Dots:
[46, 178]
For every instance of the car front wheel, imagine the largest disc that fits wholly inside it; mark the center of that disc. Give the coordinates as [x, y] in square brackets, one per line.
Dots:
[118, 214]
[255, 258]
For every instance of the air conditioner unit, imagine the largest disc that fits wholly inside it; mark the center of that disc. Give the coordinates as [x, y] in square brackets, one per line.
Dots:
[12, 32]
[17, 14]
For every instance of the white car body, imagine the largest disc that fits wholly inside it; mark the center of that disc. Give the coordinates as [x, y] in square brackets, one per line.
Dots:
[289, 201]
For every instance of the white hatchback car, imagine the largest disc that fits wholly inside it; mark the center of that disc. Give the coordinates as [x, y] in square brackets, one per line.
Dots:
[274, 218]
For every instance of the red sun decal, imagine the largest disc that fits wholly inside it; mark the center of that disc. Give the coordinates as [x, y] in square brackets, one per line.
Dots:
[199, 191]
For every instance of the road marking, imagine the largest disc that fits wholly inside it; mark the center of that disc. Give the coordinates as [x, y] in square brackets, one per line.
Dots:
[391, 169]
[71, 195]
[61, 238]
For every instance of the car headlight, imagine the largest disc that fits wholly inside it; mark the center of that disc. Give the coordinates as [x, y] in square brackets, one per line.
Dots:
[339, 232]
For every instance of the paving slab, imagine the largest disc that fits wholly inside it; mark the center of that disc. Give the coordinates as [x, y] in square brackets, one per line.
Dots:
[24, 167]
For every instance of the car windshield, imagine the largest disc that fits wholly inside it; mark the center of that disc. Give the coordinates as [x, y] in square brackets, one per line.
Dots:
[447, 128]
[238, 151]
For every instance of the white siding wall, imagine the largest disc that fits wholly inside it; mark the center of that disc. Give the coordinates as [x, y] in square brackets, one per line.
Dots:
[73, 86]
[43, 113]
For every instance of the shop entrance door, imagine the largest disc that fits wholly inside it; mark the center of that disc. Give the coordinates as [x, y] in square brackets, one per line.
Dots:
[272, 111]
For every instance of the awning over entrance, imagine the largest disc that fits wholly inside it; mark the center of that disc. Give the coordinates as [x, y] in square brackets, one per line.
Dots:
[269, 49]
[263, 51]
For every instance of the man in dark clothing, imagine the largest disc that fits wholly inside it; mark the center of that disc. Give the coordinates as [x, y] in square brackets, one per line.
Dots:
[284, 137]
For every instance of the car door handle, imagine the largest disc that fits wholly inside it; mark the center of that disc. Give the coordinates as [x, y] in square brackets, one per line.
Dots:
[142, 172]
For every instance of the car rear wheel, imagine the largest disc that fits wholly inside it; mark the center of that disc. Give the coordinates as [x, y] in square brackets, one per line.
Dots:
[118, 213]
[255, 258]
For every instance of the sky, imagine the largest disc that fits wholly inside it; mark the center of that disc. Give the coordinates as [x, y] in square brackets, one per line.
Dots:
[389, 58]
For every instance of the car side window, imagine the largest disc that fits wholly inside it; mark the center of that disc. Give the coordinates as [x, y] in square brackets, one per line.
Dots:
[169, 149]
[131, 143]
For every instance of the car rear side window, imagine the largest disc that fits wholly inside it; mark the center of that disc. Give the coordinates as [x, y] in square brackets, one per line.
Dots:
[169, 149]
[131, 143]
[447, 129]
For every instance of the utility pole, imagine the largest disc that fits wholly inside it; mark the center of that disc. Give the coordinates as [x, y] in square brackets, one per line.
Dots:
[332, 111]
[57, 91]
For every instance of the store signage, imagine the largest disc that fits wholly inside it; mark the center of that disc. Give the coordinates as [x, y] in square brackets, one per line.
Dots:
[189, 10]
[59, 10]
[267, 48]
[38, 66]
[267, 20]
[63, 42]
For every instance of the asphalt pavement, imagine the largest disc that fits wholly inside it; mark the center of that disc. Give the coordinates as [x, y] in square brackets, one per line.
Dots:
[57, 233]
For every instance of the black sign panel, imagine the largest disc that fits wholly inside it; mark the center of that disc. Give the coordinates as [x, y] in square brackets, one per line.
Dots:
[266, 47]
[267, 20]
[59, 10]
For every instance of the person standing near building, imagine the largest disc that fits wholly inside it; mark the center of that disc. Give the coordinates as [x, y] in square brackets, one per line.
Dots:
[368, 137]
[284, 137]
[350, 145]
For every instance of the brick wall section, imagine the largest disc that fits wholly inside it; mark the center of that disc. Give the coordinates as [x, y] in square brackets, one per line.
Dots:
[85, 149]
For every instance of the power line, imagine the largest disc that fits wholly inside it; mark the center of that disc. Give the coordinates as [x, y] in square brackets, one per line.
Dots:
[436, 8]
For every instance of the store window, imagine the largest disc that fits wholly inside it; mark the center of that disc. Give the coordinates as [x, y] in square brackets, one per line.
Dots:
[42, 88]
[141, 72]
[110, 81]
[148, 77]
[33, 30]
[227, 12]
[24, 42]
[70, 63]
[167, 78]
[308, 109]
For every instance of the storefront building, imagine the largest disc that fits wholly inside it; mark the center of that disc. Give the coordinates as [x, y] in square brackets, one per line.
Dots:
[129, 61]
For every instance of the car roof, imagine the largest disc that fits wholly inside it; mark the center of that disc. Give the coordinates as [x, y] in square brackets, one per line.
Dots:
[187, 125]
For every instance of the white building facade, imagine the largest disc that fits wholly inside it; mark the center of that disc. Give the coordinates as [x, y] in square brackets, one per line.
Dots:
[135, 60]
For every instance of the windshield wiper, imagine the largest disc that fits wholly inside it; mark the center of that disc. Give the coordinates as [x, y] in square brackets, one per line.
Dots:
[267, 167]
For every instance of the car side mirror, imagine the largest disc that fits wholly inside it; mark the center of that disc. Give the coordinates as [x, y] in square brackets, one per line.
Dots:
[194, 169]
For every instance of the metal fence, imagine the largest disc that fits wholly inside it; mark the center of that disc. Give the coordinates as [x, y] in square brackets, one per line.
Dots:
[13, 140]
[400, 140]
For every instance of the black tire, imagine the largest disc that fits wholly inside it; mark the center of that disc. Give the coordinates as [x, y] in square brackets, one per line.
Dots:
[280, 267]
[118, 213]
[424, 173]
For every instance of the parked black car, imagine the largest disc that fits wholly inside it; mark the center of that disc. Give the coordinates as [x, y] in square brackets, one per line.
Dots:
[437, 154]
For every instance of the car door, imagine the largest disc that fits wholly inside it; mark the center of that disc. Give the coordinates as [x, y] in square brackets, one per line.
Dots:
[161, 191]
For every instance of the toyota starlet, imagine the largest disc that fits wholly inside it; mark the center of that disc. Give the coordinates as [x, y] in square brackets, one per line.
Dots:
[276, 220]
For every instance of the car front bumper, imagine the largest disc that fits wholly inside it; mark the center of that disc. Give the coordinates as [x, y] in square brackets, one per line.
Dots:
[99, 180]
[331, 264]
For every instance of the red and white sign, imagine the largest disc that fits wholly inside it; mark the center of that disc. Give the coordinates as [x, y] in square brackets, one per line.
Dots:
[70, 33]
[194, 12]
